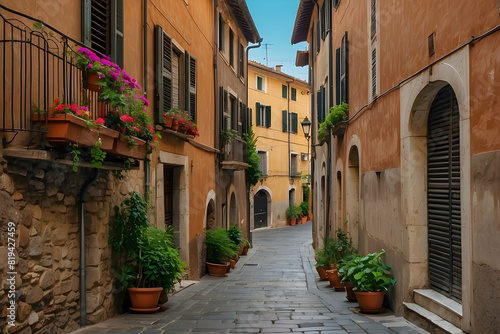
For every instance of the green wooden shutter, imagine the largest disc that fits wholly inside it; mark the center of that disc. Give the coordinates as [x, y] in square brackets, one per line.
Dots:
[117, 32]
[323, 106]
[294, 122]
[242, 62]
[344, 55]
[268, 116]
[318, 36]
[163, 73]
[257, 113]
[318, 106]
[294, 94]
[227, 116]
[284, 120]
[221, 109]
[284, 91]
[259, 83]
[221, 32]
[86, 19]
[244, 116]
[337, 76]
[190, 85]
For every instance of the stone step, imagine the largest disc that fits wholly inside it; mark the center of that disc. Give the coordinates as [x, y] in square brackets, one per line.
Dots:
[429, 321]
[445, 307]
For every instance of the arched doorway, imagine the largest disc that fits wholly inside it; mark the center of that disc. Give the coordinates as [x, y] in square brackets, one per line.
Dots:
[443, 195]
[260, 209]
[352, 194]
[210, 218]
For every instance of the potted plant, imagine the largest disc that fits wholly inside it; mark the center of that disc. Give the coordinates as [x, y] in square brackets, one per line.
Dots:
[292, 213]
[338, 248]
[304, 208]
[371, 278]
[337, 114]
[219, 250]
[350, 295]
[152, 263]
[246, 246]
[235, 235]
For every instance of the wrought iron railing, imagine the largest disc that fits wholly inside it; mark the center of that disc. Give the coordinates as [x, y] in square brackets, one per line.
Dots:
[235, 150]
[37, 66]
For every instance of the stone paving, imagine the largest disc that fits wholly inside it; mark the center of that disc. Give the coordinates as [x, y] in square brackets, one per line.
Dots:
[275, 289]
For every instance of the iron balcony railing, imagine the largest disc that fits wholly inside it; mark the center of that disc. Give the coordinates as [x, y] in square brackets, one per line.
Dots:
[38, 65]
[235, 150]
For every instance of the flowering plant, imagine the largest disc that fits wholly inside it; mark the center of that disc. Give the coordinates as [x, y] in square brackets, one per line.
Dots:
[129, 106]
[81, 112]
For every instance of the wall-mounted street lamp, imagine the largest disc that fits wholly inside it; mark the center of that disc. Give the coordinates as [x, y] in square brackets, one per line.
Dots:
[306, 128]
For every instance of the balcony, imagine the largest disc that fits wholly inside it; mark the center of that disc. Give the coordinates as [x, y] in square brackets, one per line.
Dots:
[234, 154]
[38, 66]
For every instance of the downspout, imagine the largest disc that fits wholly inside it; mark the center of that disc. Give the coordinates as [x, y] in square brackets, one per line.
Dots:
[330, 104]
[314, 127]
[83, 198]
[218, 116]
[249, 121]
[288, 128]
[147, 181]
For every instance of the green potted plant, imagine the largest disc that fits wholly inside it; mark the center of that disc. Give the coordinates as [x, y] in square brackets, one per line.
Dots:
[337, 114]
[219, 250]
[338, 248]
[235, 235]
[304, 209]
[371, 278]
[246, 246]
[292, 213]
[152, 263]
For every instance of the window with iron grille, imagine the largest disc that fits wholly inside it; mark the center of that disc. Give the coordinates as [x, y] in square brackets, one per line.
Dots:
[102, 27]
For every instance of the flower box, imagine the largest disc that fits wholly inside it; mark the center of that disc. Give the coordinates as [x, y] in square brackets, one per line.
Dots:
[122, 147]
[65, 129]
[90, 82]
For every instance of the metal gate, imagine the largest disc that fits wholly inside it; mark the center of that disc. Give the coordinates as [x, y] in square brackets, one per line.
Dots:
[260, 209]
[443, 195]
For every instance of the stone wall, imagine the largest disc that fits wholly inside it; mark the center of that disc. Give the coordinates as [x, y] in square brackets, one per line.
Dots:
[42, 199]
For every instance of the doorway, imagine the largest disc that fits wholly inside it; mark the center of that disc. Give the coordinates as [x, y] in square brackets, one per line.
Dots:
[260, 209]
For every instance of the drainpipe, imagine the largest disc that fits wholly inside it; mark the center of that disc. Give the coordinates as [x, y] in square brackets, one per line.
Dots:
[259, 42]
[313, 128]
[83, 198]
[330, 104]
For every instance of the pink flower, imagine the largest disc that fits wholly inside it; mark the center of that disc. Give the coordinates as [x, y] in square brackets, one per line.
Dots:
[84, 108]
[127, 118]
[136, 129]
[89, 66]
[74, 107]
[102, 76]
[151, 129]
[99, 120]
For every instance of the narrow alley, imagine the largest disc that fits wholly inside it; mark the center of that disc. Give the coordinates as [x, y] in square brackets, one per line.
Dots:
[274, 289]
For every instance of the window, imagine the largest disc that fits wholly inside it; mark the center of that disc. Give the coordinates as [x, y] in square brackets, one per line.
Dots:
[241, 60]
[233, 109]
[284, 126]
[261, 84]
[320, 99]
[175, 77]
[343, 66]
[263, 115]
[294, 159]
[231, 47]
[294, 94]
[263, 166]
[323, 19]
[102, 27]
[294, 121]
[284, 91]
[221, 32]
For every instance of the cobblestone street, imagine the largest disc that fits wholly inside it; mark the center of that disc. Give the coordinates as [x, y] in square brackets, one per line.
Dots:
[274, 289]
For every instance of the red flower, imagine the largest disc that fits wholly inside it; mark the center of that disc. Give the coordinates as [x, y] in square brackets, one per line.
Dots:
[100, 121]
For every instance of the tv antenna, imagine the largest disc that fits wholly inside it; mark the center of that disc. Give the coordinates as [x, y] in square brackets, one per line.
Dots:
[266, 44]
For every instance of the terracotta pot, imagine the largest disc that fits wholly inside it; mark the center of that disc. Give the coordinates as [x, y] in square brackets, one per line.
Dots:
[293, 221]
[144, 299]
[121, 147]
[350, 295]
[334, 279]
[90, 82]
[309, 216]
[232, 263]
[175, 125]
[182, 130]
[245, 251]
[163, 298]
[168, 121]
[370, 302]
[304, 219]
[64, 129]
[322, 273]
[217, 269]
[228, 268]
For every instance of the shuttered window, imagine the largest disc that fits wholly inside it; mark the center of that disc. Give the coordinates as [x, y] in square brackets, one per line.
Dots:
[260, 83]
[190, 86]
[231, 47]
[102, 27]
[373, 54]
[443, 195]
[284, 122]
[242, 61]
[337, 77]
[284, 91]
[321, 104]
[176, 80]
[294, 121]
[263, 162]
[344, 56]
[268, 116]
[163, 77]
[294, 94]
[323, 20]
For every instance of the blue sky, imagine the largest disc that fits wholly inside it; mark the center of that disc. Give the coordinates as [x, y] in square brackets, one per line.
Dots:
[274, 20]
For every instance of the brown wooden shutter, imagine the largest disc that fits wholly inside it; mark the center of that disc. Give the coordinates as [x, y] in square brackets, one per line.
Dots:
[86, 19]
[100, 26]
[190, 85]
[117, 32]
[337, 76]
[344, 56]
[163, 75]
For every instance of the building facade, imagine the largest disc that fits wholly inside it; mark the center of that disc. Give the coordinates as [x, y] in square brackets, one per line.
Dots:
[279, 103]
[170, 48]
[416, 170]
